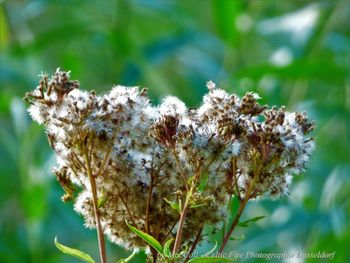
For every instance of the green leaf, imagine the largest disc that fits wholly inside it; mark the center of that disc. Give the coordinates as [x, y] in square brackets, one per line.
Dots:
[195, 206]
[74, 252]
[240, 237]
[203, 183]
[209, 260]
[212, 250]
[233, 206]
[174, 205]
[254, 219]
[190, 179]
[101, 201]
[319, 69]
[126, 260]
[146, 237]
[166, 249]
[224, 13]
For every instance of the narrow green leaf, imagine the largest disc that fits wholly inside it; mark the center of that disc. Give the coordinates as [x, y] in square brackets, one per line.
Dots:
[190, 179]
[101, 201]
[212, 250]
[223, 229]
[209, 260]
[203, 183]
[166, 249]
[74, 252]
[233, 206]
[174, 205]
[126, 260]
[240, 237]
[254, 219]
[181, 255]
[146, 237]
[196, 206]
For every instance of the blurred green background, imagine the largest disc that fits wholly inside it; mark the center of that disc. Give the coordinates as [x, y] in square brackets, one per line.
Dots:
[293, 53]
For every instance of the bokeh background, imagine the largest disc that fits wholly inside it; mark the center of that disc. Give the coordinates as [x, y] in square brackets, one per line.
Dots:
[293, 53]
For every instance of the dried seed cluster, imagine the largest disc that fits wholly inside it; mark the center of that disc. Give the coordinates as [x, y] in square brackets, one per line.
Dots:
[144, 157]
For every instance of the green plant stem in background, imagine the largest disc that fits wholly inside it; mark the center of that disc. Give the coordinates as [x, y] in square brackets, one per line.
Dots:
[101, 241]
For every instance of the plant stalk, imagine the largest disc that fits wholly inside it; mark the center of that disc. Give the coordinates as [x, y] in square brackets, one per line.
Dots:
[100, 237]
[242, 205]
[234, 223]
[181, 225]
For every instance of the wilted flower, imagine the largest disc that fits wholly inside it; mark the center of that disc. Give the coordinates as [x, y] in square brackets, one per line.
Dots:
[145, 159]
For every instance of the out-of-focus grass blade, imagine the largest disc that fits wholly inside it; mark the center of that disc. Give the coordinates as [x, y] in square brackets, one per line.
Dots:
[225, 13]
[74, 252]
[302, 69]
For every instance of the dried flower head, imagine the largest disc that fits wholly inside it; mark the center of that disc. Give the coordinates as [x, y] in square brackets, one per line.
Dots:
[145, 158]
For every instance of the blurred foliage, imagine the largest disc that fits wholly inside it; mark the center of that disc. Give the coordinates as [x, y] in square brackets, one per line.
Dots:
[294, 53]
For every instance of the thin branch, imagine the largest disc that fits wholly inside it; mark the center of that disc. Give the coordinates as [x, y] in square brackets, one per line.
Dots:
[180, 168]
[242, 205]
[90, 152]
[127, 209]
[234, 223]
[171, 229]
[234, 173]
[147, 225]
[104, 162]
[78, 160]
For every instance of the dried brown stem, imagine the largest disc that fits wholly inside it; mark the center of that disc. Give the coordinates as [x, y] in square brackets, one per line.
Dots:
[242, 205]
[147, 225]
[169, 231]
[234, 223]
[181, 225]
[234, 175]
[180, 168]
[127, 209]
[101, 241]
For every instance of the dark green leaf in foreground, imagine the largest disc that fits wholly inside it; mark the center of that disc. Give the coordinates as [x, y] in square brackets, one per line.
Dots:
[146, 237]
[166, 250]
